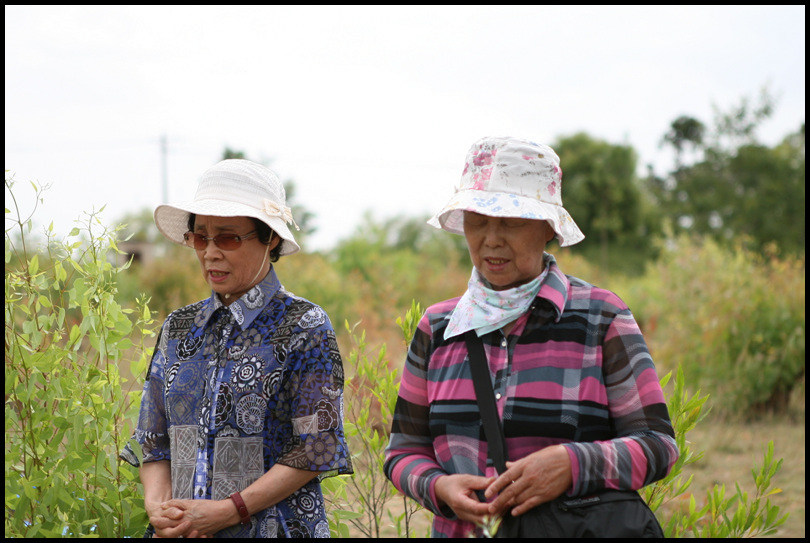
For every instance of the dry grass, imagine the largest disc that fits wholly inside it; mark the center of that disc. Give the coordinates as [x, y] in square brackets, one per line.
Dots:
[732, 449]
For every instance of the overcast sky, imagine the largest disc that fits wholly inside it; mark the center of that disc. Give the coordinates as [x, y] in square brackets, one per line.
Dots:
[365, 108]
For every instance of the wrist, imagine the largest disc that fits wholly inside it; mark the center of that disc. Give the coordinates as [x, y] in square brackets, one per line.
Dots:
[440, 499]
[152, 507]
[438, 487]
[238, 505]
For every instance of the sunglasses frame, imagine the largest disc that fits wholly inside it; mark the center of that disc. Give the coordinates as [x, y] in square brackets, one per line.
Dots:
[219, 238]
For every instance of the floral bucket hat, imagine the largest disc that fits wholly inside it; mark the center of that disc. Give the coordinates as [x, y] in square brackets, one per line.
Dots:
[233, 188]
[510, 177]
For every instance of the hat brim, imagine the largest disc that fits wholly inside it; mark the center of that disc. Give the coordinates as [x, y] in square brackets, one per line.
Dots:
[502, 204]
[172, 220]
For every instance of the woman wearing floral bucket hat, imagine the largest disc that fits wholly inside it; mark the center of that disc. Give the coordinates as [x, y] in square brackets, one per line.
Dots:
[579, 415]
[241, 413]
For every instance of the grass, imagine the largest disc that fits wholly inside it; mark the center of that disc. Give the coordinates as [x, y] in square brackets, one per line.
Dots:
[733, 448]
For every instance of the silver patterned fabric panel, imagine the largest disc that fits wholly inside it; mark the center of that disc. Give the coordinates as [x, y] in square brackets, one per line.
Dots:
[238, 463]
[183, 441]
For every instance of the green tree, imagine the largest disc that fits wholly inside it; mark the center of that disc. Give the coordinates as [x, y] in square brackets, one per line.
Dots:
[684, 131]
[769, 194]
[605, 197]
[736, 187]
[229, 153]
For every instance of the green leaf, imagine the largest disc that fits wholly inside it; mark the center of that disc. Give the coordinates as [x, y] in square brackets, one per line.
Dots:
[348, 515]
[33, 265]
[75, 334]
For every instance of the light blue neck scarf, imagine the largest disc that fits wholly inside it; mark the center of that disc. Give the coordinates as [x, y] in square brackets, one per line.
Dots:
[483, 309]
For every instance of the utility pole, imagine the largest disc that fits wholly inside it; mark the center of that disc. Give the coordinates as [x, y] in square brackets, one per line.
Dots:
[164, 170]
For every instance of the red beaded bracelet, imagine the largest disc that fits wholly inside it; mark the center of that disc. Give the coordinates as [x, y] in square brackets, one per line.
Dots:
[240, 506]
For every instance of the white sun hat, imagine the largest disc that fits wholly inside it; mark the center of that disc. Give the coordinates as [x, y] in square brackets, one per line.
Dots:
[510, 177]
[233, 188]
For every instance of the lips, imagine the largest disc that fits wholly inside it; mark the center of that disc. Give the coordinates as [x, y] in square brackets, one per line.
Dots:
[496, 264]
[217, 276]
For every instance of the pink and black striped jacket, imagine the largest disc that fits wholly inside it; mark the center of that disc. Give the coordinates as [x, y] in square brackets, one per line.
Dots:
[575, 370]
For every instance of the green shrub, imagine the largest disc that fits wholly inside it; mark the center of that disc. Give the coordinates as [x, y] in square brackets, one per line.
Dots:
[364, 501]
[737, 516]
[67, 411]
[733, 319]
[172, 280]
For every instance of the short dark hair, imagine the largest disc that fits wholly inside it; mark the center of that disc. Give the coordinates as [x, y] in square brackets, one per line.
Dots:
[263, 232]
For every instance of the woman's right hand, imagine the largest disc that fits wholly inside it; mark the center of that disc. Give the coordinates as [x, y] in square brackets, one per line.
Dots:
[157, 488]
[167, 522]
[458, 492]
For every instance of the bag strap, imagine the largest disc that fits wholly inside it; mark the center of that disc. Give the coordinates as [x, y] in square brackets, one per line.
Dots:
[496, 441]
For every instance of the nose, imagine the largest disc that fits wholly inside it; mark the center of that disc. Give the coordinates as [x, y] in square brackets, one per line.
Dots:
[493, 234]
[211, 251]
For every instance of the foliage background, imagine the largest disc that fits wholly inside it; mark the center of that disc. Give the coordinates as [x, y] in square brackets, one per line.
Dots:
[710, 258]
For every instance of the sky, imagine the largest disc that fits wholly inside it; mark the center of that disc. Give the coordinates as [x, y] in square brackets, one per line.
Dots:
[365, 108]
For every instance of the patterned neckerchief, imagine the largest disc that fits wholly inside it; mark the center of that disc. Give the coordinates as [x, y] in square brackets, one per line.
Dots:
[484, 309]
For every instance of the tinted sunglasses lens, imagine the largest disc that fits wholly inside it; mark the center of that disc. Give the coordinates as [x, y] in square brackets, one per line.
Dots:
[227, 242]
[195, 241]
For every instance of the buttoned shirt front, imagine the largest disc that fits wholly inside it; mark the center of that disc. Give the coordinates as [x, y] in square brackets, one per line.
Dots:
[233, 390]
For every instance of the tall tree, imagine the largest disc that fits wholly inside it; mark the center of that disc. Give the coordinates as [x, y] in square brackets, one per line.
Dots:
[684, 131]
[738, 186]
[605, 197]
[229, 153]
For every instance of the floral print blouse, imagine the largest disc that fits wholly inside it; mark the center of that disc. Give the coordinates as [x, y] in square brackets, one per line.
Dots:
[231, 391]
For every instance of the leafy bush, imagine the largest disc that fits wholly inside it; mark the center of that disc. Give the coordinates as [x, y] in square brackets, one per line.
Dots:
[751, 517]
[67, 410]
[733, 319]
[172, 280]
[365, 499]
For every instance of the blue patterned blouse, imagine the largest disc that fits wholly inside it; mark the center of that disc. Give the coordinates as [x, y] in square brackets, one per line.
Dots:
[232, 391]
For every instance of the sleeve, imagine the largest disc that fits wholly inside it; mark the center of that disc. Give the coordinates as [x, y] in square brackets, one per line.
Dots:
[150, 441]
[644, 448]
[410, 460]
[314, 393]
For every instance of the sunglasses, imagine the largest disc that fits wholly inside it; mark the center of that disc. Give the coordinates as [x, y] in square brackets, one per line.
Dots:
[226, 242]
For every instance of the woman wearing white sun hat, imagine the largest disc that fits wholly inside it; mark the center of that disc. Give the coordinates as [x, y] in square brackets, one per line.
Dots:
[575, 388]
[242, 405]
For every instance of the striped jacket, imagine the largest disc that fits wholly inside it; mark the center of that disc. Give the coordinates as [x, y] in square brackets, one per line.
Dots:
[575, 370]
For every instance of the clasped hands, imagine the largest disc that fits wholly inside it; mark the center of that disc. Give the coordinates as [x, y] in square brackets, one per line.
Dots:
[528, 482]
[191, 518]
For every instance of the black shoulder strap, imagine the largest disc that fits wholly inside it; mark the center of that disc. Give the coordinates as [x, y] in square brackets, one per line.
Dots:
[496, 442]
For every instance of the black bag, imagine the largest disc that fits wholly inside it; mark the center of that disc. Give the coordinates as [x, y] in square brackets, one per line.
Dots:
[609, 513]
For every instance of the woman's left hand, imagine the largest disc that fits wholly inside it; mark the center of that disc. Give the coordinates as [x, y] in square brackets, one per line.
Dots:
[207, 517]
[532, 480]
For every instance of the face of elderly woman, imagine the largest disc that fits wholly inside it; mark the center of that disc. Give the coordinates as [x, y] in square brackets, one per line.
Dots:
[232, 272]
[508, 252]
